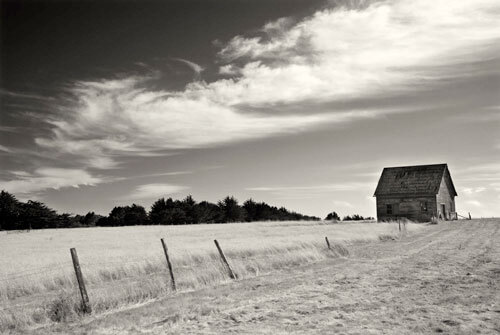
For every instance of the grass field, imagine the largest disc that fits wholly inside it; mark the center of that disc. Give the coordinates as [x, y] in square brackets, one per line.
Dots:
[443, 278]
[124, 266]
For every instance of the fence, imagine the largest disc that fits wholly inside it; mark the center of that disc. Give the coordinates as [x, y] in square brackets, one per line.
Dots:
[86, 308]
[169, 273]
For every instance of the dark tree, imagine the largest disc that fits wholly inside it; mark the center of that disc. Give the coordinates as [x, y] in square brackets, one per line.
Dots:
[89, 220]
[159, 212]
[209, 212]
[333, 216]
[36, 215]
[231, 211]
[356, 217]
[135, 215]
[191, 210]
[69, 221]
[117, 216]
[10, 209]
[128, 216]
[170, 212]
[103, 222]
[251, 209]
[178, 216]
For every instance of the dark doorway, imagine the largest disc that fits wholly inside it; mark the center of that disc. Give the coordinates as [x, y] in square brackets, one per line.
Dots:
[395, 209]
[443, 211]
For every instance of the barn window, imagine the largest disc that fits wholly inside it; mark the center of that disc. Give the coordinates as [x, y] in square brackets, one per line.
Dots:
[389, 209]
[423, 206]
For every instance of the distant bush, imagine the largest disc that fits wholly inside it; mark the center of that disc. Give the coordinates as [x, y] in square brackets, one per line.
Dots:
[333, 216]
[356, 217]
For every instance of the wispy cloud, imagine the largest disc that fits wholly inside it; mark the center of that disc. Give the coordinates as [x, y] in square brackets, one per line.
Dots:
[474, 203]
[481, 172]
[150, 191]
[311, 192]
[8, 129]
[154, 175]
[25, 95]
[121, 117]
[472, 190]
[28, 184]
[4, 148]
[319, 188]
[342, 204]
[198, 69]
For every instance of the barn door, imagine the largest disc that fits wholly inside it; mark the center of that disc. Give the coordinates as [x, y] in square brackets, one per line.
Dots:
[443, 211]
[395, 209]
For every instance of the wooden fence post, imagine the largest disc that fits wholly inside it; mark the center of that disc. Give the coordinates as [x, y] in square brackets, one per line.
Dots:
[224, 260]
[81, 283]
[328, 243]
[169, 264]
[470, 217]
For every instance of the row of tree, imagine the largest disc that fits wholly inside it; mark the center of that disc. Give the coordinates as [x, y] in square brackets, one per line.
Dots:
[15, 214]
[333, 216]
[188, 211]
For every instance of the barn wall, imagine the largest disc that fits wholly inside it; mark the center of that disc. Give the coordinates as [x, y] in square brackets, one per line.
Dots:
[444, 197]
[406, 207]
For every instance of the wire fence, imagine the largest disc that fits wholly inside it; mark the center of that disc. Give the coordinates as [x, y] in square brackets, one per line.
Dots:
[22, 290]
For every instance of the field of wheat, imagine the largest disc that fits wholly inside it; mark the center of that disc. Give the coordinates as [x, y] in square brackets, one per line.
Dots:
[124, 266]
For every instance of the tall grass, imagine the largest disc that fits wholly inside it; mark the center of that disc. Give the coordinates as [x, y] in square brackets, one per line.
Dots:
[117, 277]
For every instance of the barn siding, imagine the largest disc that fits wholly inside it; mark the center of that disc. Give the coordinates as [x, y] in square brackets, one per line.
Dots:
[444, 197]
[409, 207]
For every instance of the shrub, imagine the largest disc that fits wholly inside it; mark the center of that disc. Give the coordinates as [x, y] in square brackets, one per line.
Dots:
[356, 217]
[333, 216]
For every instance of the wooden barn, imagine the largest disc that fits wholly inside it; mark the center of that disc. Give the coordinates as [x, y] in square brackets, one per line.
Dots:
[417, 193]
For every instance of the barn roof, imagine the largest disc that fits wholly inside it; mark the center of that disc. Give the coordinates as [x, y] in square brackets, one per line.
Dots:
[420, 179]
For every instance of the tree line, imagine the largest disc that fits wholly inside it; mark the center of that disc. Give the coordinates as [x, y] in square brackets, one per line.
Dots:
[333, 216]
[17, 215]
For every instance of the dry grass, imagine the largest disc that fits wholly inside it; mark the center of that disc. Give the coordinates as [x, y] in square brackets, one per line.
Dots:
[124, 266]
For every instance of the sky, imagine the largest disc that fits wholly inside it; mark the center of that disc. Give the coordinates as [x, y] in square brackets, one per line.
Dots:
[296, 103]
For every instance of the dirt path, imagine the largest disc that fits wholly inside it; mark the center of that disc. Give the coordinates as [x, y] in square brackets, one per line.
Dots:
[444, 280]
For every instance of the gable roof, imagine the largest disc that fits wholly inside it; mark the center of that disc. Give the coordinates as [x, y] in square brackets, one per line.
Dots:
[420, 179]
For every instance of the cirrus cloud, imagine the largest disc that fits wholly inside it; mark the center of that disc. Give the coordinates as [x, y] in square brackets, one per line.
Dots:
[27, 184]
[150, 191]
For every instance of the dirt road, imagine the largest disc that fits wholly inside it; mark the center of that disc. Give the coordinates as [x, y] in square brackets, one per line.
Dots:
[443, 280]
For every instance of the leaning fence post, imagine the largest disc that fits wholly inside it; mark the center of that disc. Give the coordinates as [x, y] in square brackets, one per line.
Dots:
[81, 283]
[224, 260]
[172, 279]
[328, 243]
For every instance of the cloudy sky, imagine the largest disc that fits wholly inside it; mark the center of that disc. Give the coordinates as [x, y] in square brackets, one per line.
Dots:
[293, 102]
